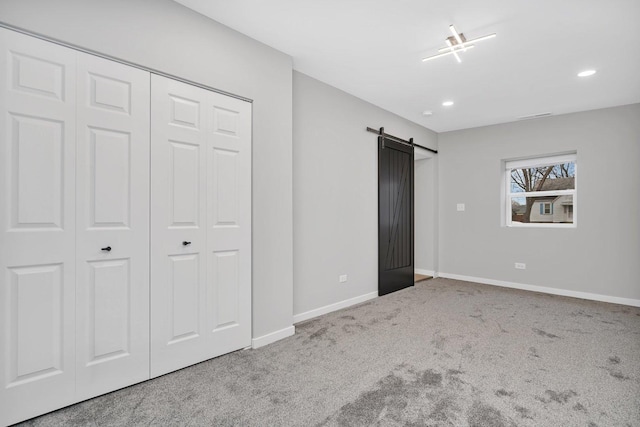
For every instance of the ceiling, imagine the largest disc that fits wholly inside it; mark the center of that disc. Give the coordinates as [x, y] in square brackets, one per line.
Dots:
[373, 49]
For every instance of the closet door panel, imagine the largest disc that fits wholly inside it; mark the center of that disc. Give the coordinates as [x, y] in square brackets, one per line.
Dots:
[37, 226]
[178, 222]
[229, 224]
[201, 194]
[112, 226]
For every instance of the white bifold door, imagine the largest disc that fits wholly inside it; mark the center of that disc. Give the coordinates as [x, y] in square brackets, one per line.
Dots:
[112, 232]
[37, 226]
[74, 226]
[200, 224]
[86, 144]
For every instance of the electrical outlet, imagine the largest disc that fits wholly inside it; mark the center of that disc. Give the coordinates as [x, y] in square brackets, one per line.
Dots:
[342, 278]
[521, 266]
[460, 207]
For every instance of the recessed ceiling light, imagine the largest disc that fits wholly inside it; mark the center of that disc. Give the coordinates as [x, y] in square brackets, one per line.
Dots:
[447, 103]
[586, 73]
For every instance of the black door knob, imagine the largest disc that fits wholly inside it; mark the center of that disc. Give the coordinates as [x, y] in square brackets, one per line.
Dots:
[108, 249]
[185, 243]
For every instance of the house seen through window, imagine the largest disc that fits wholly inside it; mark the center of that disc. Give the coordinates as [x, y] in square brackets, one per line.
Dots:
[541, 191]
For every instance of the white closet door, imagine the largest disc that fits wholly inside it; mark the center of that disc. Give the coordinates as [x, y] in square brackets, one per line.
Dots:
[228, 224]
[37, 226]
[112, 214]
[201, 225]
[178, 225]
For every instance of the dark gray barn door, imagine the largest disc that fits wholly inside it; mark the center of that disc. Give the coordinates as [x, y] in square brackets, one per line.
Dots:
[395, 216]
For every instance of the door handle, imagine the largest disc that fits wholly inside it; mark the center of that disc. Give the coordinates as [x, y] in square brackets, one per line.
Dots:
[108, 249]
[185, 243]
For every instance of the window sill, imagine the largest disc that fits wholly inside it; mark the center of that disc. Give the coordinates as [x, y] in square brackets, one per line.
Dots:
[542, 225]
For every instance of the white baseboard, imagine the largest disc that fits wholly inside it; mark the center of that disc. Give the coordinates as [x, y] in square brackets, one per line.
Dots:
[297, 318]
[273, 337]
[545, 290]
[425, 272]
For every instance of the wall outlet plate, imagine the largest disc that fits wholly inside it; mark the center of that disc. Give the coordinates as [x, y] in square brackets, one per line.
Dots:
[460, 207]
[521, 266]
[342, 278]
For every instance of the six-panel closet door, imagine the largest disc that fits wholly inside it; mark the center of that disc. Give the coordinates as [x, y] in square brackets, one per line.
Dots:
[37, 226]
[200, 225]
[112, 232]
[74, 318]
[80, 139]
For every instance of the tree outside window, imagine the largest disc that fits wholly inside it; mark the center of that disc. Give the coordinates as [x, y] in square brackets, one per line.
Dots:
[541, 190]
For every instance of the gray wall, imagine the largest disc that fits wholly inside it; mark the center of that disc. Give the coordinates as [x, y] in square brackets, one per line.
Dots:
[600, 256]
[426, 214]
[335, 188]
[166, 36]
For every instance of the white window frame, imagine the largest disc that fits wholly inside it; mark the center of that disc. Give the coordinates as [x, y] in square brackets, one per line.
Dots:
[534, 162]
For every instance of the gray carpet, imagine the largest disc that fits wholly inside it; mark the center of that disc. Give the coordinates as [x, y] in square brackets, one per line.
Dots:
[444, 353]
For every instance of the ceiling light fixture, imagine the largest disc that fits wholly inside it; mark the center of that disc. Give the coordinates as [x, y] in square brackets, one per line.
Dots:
[455, 35]
[457, 43]
[454, 52]
[447, 103]
[465, 45]
[535, 116]
[444, 54]
[586, 73]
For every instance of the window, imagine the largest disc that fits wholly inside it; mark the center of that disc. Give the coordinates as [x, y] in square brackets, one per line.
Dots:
[541, 191]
